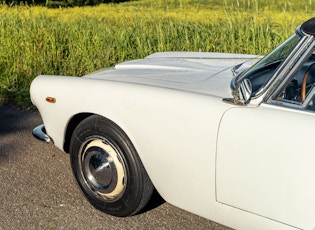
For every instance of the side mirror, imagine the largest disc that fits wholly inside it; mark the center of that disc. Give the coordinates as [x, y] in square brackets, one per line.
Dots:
[245, 91]
[241, 92]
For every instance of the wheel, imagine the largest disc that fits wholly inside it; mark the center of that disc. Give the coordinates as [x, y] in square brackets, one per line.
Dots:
[108, 169]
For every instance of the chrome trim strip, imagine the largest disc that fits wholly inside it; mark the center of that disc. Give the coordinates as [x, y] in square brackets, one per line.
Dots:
[39, 133]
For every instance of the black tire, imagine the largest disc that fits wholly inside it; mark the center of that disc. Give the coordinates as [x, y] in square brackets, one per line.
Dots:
[108, 169]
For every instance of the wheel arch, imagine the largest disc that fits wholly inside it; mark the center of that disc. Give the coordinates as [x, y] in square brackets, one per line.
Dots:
[80, 117]
[75, 121]
[88, 130]
[72, 124]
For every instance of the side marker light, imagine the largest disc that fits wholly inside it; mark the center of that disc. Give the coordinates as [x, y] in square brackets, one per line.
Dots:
[51, 99]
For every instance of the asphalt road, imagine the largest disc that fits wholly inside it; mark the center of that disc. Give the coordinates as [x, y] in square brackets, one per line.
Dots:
[37, 190]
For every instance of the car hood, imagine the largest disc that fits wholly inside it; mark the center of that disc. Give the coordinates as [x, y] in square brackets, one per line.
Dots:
[200, 72]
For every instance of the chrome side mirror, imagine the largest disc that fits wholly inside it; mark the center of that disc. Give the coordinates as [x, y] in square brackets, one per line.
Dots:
[242, 92]
[245, 91]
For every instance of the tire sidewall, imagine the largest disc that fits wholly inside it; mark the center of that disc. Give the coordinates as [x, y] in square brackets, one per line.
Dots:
[130, 199]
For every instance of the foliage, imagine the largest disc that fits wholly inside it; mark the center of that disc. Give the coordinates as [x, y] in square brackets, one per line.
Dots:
[75, 41]
[60, 3]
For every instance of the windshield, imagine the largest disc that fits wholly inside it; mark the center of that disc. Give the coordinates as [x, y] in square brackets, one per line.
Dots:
[263, 70]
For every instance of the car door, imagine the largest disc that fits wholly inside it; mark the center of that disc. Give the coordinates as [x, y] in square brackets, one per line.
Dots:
[266, 163]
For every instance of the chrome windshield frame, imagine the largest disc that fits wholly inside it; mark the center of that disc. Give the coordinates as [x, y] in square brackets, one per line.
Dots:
[284, 71]
[290, 104]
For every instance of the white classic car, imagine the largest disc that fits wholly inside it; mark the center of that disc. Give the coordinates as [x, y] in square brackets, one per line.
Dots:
[225, 136]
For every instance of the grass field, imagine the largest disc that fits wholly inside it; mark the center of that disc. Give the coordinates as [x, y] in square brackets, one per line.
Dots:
[74, 41]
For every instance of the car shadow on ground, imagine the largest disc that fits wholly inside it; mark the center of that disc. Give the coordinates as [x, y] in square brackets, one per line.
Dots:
[155, 201]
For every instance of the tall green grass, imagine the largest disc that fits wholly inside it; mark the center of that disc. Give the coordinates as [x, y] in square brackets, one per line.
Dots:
[36, 40]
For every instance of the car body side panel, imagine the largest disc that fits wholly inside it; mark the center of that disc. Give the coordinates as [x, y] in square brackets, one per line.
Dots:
[265, 163]
[174, 132]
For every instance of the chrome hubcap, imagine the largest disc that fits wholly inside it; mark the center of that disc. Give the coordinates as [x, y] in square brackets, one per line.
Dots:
[102, 169]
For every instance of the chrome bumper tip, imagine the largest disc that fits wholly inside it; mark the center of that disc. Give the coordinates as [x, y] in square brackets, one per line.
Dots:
[40, 133]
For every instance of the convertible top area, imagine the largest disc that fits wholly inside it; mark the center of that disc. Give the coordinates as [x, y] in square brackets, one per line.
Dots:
[308, 27]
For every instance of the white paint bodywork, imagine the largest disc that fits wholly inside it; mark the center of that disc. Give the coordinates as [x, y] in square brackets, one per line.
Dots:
[269, 166]
[195, 147]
